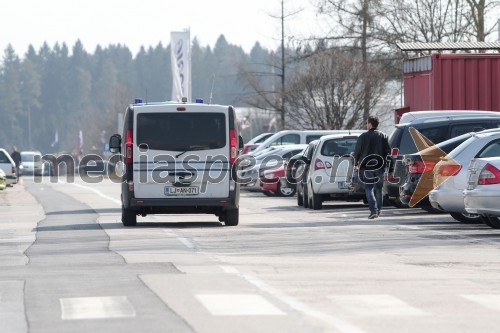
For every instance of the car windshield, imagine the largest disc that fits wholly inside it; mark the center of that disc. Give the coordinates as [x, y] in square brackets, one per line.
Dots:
[30, 157]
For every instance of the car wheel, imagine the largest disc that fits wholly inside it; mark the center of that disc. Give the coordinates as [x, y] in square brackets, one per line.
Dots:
[231, 217]
[300, 198]
[305, 197]
[285, 191]
[129, 217]
[466, 218]
[317, 203]
[491, 221]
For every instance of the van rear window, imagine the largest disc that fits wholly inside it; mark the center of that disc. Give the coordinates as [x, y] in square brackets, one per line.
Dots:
[181, 131]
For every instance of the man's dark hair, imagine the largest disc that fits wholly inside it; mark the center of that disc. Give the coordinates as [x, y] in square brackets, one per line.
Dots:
[373, 120]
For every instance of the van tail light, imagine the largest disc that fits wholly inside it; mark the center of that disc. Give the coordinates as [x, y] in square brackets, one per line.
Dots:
[449, 170]
[14, 171]
[489, 175]
[129, 152]
[233, 146]
[421, 167]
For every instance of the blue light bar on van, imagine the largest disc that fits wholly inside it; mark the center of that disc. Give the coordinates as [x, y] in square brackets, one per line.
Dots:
[138, 101]
[199, 100]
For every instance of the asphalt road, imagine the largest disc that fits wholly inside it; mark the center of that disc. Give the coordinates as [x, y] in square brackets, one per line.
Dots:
[68, 265]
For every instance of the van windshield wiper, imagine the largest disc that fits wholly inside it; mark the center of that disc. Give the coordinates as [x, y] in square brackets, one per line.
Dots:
[191, 148]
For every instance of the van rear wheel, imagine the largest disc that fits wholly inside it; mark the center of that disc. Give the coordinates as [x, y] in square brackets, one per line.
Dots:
[129, 217]
[231, 217]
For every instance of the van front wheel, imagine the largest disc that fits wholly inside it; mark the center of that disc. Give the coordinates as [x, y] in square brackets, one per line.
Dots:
[129, 217]
[231, 217]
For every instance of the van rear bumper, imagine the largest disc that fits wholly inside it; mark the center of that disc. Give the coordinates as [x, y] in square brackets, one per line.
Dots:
[174, 202]
[183, 206]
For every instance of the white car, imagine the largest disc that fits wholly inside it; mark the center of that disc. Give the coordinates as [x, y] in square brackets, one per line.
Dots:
[482, 194]
[8, 166]
[450, 178]
[330, 171]
[31, 163]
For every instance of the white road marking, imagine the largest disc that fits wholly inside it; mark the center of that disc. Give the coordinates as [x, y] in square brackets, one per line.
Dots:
[238, 305]
[229, 269]
[96, 308]
[375, 305]
[99, 193]
[340, 324]
[488, 301]
[20, 239]
[186, 242]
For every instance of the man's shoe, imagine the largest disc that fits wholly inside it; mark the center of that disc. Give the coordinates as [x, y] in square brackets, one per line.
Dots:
[373, 216]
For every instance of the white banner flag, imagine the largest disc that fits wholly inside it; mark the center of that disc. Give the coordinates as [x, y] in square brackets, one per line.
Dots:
[181, 65]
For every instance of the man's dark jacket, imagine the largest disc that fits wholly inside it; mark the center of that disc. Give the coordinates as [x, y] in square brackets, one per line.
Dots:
[372, 143]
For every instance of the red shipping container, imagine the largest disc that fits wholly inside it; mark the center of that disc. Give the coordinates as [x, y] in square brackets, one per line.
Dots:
[452, 82]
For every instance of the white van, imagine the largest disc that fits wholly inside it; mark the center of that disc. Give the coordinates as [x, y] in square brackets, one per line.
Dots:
[295, 137]
[31, 163]
[8, 166]
[179, 158]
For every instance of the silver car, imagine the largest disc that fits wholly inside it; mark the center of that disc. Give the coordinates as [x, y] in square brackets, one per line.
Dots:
[482, 194]
[450, 174]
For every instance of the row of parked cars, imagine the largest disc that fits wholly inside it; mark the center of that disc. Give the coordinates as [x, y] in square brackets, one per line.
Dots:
[442, 162]
[31, 164]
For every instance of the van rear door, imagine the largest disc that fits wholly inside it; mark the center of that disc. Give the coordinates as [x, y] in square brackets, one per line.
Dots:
[181, 151]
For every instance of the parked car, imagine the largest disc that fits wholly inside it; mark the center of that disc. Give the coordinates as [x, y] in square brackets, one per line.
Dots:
[437, 126]
[252, 166]
[273, 182]
[450, 174]
[298, 173]
[331, 169]
[31, 163]
[420, 173]
[255, 142]
[482, 194]
[8, 166]
[291, 137]
[3, 180]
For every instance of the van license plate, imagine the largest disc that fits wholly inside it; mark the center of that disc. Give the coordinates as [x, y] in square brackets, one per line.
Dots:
[187, 190]
[342, 185]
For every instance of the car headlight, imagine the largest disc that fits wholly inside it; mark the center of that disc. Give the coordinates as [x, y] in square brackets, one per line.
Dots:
[269, 175]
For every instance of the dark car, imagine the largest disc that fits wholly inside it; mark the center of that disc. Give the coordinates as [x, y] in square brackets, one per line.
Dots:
[418, 172]
[437, 129]
[300, 172]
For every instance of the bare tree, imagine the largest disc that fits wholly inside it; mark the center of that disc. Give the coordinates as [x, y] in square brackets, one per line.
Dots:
[478, 10]
[328, 93]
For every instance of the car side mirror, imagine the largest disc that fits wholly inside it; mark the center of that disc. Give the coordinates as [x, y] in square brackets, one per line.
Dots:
[115, 142]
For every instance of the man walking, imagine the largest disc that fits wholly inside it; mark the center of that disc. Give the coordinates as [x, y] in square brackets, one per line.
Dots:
[16, 157]
[370, 156]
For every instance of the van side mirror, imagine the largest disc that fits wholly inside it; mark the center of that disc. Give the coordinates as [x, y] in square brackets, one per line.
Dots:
[240, 140]
[115, 142]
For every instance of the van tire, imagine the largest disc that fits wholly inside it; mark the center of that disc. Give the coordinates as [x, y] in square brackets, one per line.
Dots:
[129, 217]
[231, 217]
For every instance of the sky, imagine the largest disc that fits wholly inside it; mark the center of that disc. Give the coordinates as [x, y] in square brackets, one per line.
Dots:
[149, 22]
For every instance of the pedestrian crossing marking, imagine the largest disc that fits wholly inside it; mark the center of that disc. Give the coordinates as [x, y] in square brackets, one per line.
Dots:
[238, 305]
[375, 305]
[96, 308]
[488, 301]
